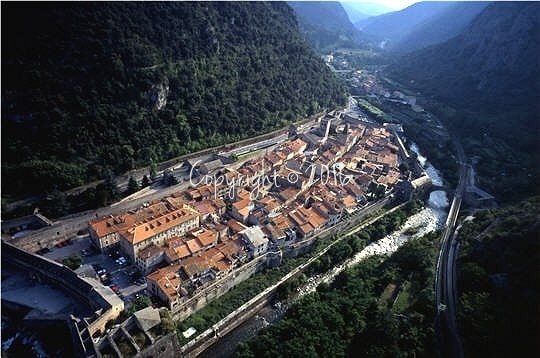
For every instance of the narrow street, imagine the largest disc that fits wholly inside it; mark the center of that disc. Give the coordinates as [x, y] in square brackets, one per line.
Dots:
[67, 226]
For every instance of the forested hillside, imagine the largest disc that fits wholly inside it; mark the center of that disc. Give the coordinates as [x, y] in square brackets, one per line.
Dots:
[440, 28]
[395, 25]
[90, 88]
[489, 79]
[422, 24]
[499, 281]
[326, 25]
[378, 308]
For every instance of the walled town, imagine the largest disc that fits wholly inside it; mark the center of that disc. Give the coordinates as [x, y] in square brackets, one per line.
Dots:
[239, 219]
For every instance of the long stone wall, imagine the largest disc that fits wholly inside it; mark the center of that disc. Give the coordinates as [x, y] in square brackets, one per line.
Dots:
[215, 290]
[106, 304]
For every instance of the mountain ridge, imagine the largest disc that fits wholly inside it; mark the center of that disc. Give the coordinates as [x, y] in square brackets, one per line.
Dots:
[362, 10]
[326, 25]
[489, 81]
[441, 27]
[93, 88]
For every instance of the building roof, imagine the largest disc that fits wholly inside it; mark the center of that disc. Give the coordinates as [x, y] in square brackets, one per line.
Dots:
[306, 229]
[171, 254]
[235, 225]
[205, 236]
[194, 265]
[273, 159]
[278, 225]
[147, 318]
[231, 248]
[150, 252]
[288, 193]
[270, 203]
[255, 235]
[194, 245]
[302, 216]
[175, 202]
[182, 251]
[297, 145]
[349, 201]
[168, 279]
[239, 205]
[145, 230]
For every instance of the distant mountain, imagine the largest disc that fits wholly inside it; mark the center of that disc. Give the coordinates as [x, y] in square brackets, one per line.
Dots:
[491, 73]
[354, 14]
[443, 26]
[361, 10]
[495, 57]
[326, 25]
[94, 88]
[390, 28]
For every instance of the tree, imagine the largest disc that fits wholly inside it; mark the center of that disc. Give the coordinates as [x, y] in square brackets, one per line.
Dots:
[73, 262]
[110, 185]
[56, 203]
[139, 304]
[133, 186]
[403, 168]
[167, 323]
[153, 173]
[145, 181]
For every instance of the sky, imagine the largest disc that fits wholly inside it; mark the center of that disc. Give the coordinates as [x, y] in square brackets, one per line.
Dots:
[395, 4]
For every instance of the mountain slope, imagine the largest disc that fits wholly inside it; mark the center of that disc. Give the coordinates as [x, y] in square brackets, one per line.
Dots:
[93, 87]
[353, 14]
[440, 28]
[495, 57]
[361, 10]
[499, 281]
[326, 25]
[490, 74]
[394, 26]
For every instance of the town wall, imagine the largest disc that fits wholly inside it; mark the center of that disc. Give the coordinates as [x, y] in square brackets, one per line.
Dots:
[216, 289]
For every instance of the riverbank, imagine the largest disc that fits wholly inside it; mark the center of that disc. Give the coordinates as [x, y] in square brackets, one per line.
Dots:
[427, 220]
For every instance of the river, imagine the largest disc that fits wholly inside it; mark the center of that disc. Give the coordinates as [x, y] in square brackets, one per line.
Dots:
[431, 218]
[433, 173]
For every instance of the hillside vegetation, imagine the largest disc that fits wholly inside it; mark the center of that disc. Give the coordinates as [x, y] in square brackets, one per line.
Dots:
[499, 281]
[395, 25]
[326, 25]
[356, 315]
[486, 83]
[91, 89]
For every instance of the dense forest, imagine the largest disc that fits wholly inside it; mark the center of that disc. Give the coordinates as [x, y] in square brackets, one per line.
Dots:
[378, 308]
[94, 89]
[499, 281]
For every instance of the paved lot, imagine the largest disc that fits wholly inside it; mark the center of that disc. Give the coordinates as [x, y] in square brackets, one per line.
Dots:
[120, 274]
[72, 247]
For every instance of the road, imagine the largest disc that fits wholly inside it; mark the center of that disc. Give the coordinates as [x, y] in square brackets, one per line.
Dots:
[69, 225]
[242, 146]
[445, 279]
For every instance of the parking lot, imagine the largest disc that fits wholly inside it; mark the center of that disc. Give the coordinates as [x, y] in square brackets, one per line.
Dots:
[122, 276]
